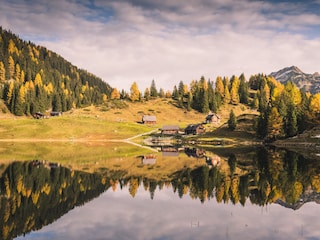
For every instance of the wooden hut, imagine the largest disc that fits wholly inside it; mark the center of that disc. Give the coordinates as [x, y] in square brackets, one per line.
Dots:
[194, 129]
[170, 130]
[213, 118]
[147, 119]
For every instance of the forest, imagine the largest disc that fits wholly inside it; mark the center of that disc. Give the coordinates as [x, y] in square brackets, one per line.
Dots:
[35, 79]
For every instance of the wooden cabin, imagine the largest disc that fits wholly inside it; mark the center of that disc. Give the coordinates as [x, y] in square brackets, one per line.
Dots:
[170, 130]
[147, 119]
[39, 115]
[194, 152]
[169, 151]
[213, 118]
[194, 129]
[55, 114]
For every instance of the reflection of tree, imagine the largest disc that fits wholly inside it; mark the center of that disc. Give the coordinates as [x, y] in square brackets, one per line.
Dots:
[34, 194]
[272, 175]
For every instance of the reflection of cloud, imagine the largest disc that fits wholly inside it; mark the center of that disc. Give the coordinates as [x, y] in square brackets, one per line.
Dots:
[116, 215]
[125, 41]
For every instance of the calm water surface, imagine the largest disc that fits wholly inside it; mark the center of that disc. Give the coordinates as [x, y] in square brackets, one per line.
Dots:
[240, 194]
[116, 215]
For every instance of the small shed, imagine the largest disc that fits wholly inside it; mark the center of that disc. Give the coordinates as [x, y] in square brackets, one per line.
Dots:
[38, 115]
[170, 130]
[213, 118]
[55, 114]
[194, 152]
[147, 119]
[194, 129]
[170, 151]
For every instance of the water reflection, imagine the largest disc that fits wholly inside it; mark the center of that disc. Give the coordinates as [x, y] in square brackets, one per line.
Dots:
[190, 200]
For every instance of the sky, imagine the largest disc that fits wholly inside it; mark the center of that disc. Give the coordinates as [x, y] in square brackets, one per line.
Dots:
[126, 41]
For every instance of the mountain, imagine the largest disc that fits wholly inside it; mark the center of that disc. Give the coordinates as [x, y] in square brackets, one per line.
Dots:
[35, 79]
[308, 82]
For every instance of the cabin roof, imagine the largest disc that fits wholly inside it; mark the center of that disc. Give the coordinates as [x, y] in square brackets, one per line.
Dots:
[193, 126]
[170, 127]
[148, 118]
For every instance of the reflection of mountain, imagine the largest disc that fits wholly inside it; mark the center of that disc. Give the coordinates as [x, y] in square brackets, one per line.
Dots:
[308, 196]
[34, 194]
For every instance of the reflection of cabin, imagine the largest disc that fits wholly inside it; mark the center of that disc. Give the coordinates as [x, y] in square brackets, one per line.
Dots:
[170, 151]
[213, 118]
[38, 115]
[146, 119]
[194, 129]
[213, 160]
[194, 152]
[55, 114]
[170, 130]
[149, 159]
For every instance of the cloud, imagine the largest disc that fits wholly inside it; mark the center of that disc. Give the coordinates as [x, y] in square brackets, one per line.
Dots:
[169, 41]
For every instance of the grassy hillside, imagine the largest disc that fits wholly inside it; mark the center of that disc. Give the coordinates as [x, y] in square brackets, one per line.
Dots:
[113, 121]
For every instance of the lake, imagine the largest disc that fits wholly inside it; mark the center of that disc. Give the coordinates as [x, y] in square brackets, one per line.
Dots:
[123, 192]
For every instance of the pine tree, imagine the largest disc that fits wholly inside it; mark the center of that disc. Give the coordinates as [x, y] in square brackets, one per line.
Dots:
[243, 90]
[146, 94]
[175, 93]
[291, 126]
[153, 89]
[232, 121]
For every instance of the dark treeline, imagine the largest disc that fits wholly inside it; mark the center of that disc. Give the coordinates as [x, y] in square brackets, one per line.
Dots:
[34, 79]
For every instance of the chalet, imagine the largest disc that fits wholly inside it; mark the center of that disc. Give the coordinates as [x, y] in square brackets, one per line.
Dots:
[170, 130]
[170, 151]
[55, 114]
[149, 159]
[194, 129]
[146, 119]
[194, 152]
[213, 160]
[38, 115]
[213, 118]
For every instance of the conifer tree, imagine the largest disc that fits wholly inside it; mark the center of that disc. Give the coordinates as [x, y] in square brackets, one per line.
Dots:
[146, 94]
[243, 90]
[232, 121]
[153, 89]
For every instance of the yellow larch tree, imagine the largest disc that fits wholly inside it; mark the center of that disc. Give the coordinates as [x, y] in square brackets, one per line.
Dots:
[315, 103]
[115, 94]
[134, 92]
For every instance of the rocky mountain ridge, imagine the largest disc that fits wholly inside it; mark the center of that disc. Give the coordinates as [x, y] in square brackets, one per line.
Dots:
[308, 82]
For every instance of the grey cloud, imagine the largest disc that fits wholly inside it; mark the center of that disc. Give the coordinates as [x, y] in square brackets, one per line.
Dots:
[125, 41]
